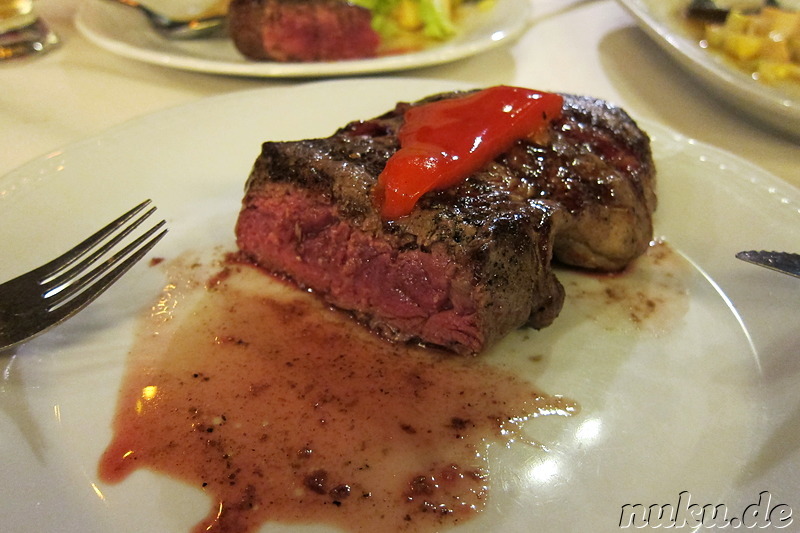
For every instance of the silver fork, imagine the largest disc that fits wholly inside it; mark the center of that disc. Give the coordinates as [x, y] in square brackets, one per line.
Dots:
[46, 296]
[197, 28]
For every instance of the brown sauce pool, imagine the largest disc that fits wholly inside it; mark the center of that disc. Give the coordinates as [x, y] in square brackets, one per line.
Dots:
[282, 410]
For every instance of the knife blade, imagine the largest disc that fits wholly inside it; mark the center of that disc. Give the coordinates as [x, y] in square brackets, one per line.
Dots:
[785, 262]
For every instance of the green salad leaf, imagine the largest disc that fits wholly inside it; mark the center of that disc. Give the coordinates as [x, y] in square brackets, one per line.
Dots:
[435, 16]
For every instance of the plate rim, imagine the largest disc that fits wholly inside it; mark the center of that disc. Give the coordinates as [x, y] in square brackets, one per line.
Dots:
[745, 94]
[761, 174]
[444, 53]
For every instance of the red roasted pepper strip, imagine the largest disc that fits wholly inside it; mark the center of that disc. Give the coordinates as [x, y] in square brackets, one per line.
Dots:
[444, 142]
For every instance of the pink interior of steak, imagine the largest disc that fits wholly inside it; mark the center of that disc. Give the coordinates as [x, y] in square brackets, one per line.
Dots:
[321, 34]
[302, 30]
[406, 294]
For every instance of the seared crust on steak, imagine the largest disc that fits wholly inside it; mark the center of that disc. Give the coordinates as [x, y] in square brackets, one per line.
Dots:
[469, 263]
[599, 168]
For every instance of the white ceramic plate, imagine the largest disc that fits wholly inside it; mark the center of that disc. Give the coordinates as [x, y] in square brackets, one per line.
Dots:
[123, 31]
[776, 107]
[711, 406]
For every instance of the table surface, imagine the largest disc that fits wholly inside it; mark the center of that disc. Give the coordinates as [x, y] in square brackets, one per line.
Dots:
[590, 47]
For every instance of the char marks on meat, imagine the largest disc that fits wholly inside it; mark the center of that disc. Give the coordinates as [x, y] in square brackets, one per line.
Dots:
[302, 30]
[472, 262]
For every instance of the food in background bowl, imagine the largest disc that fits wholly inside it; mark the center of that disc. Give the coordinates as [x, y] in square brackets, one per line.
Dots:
[761, 39]
[332, 30]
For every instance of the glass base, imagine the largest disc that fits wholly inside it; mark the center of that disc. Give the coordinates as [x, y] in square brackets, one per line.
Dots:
[35, 38]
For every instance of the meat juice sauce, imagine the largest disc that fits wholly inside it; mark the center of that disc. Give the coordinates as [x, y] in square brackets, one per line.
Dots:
[282, 410]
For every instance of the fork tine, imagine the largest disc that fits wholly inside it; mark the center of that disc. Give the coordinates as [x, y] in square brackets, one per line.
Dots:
[85, 298]
[62, 276]
[96, 289]
[61, 262]
[136, 250]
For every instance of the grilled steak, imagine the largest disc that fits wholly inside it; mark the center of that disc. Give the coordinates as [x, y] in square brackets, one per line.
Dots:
[302, 30]
[599, 169]
[469, 263]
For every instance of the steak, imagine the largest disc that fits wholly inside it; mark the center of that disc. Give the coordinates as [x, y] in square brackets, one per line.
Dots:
[472, 262]
[302, 30]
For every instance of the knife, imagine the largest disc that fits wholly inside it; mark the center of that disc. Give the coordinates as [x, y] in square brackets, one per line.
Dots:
[785, 262]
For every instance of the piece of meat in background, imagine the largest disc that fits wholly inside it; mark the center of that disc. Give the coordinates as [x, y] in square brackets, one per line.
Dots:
[302, 30]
